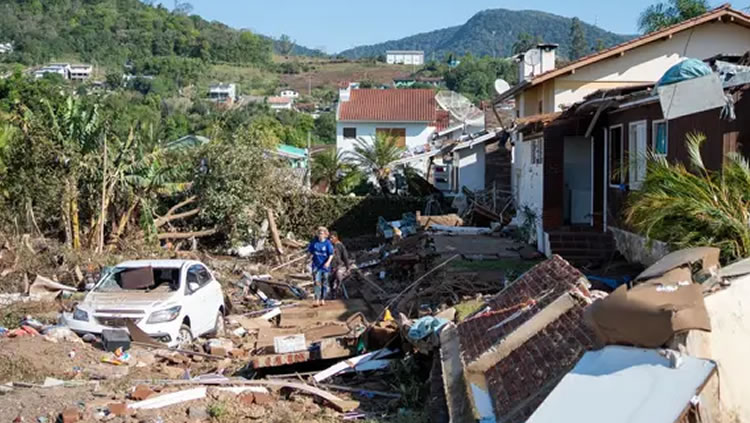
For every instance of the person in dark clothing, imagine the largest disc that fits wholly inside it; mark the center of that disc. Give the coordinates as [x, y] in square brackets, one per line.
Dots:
[341, 262]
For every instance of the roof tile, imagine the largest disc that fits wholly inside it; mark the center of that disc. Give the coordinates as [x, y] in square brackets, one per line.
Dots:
[372, 105]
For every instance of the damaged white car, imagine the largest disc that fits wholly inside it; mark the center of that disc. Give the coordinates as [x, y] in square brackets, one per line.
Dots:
[173, 301]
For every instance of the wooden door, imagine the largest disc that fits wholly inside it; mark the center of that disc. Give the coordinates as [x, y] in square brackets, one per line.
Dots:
[398, 135]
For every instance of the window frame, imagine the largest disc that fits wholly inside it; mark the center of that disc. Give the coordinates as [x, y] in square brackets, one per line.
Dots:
[654, 134]
[633, 183]
[621, 127]
[349, 128]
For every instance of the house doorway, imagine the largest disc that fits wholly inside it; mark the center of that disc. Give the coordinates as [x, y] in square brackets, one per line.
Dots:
[577, 181]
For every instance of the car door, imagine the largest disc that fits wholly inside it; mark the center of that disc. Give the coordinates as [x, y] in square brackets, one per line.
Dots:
[201, 318]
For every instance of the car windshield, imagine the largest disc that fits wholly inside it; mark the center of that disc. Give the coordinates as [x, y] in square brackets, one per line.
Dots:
[148, 279]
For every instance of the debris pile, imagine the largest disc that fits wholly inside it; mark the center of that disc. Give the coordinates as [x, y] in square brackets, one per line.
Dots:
[438, 318]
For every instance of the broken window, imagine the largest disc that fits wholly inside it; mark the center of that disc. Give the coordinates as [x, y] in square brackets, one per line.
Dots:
[148, 279]
[659, 145]
[615, 161]
[350, 133]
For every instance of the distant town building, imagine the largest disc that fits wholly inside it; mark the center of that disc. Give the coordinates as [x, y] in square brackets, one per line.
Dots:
[223, 92]
[404, 57]
[280, 103]
[67, 71]
[422, 80]
[62, 69]
[80, 72]
[6, 48]
[289, 94]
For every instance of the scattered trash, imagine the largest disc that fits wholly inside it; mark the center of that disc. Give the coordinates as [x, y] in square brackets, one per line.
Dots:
[47, 289]
[114, 339]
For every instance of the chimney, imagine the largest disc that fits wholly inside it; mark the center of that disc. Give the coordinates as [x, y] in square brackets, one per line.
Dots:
[536, 61]
[548, 55]
[345, 92]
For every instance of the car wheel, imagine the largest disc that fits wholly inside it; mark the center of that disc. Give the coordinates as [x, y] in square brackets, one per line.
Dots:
[219, 326]
[184, 336]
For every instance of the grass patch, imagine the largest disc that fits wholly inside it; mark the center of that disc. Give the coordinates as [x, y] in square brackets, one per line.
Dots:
[511, 267]
[250, 80]
[217, 409]
[466, 308]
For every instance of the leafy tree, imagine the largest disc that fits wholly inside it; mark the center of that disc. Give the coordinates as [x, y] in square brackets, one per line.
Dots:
[599, 46]
[578, 46]
[325, 128]
[691, 207]
[474, 77]
[377, 158]
[285, 45]
[525, 42]
[671, 12]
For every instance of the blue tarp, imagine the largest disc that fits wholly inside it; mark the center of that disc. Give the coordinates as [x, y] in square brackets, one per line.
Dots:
[687, 69]
[425, 326]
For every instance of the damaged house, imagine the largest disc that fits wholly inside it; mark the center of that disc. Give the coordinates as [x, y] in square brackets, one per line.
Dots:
[604, 142]
[560, 187]
[501, 363]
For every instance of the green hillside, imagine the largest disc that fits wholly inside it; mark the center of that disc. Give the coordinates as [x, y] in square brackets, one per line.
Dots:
[112, 32]
[492, 32]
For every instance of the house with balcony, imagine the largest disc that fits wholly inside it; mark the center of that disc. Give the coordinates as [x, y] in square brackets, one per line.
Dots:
[553, 174]
[80, 72]
[223, 93]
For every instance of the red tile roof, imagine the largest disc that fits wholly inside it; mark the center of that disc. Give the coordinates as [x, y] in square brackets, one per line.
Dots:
[371, 105]
[520, 381]
[280, 100]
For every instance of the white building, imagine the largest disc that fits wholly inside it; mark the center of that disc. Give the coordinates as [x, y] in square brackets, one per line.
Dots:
[404, 57]
[62, 69]
[67, 71]
[80, 72]
[545, 91]
[410, 116]
[6, 48]
[280, 103]
[289, 94]
[223, 92]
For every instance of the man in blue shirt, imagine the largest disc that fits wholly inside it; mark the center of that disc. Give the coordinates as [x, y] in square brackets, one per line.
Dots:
[321, 250]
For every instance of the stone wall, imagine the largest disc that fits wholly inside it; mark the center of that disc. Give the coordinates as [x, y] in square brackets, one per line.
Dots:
[637, 249]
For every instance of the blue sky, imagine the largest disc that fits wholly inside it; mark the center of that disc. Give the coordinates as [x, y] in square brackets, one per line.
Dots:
[335, 25]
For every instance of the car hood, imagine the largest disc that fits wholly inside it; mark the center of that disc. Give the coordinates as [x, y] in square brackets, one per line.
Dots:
[143, 301]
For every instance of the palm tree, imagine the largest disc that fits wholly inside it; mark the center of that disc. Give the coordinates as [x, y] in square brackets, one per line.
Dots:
[332, 168]
[695, 207]
[671, 12]
[377, 158]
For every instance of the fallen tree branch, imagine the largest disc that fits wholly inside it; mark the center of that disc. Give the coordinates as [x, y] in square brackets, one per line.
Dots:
[170, 216]
[187, 235]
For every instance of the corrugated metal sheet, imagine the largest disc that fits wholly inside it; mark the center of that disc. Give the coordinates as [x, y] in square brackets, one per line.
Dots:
[625, 385]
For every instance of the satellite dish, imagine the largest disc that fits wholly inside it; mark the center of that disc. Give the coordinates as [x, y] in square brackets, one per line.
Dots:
[459, 107]
[501, 86]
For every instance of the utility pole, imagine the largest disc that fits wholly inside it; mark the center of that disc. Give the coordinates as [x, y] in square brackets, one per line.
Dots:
[308, 174]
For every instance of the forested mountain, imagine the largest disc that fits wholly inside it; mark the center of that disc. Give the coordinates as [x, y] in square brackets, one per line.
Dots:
[115, 31]
[492, 32]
